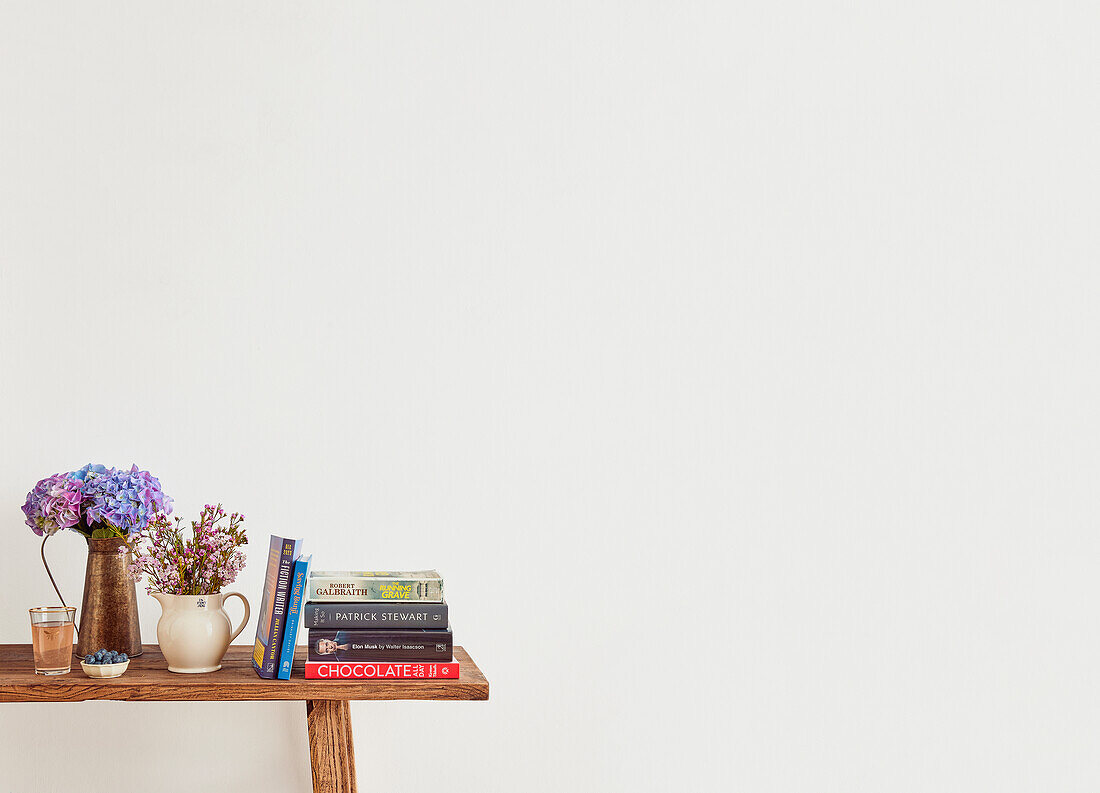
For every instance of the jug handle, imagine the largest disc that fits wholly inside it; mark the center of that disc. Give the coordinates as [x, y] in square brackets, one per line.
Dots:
[247, 612]
[55, 589]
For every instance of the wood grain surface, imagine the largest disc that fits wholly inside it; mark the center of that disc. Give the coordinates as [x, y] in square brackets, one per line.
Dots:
[331, 748]
[148, 680]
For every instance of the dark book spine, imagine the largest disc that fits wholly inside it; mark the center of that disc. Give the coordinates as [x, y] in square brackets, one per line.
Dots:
[375, 616]
[279, 609]
[339, 646]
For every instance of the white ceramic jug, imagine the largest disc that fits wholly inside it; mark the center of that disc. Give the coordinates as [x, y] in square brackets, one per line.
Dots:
[194, 631]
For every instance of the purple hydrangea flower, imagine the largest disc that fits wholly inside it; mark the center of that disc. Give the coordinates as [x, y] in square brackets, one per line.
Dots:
[149, 485]
[124, 499]
[53, 504]
[118, 499]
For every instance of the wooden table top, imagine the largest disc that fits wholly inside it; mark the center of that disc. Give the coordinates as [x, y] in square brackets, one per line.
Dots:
[148, 680]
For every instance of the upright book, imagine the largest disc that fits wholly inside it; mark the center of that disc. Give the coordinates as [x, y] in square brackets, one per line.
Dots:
[375, 616]
[293, 616]
[272, 620]
[416, 645]
[368, 587]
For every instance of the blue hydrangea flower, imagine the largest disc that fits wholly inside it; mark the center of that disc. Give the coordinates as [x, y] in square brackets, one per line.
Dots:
[92, 470]
[124, 499]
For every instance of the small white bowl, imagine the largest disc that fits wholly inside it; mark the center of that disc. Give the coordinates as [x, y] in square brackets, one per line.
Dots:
[104, 670]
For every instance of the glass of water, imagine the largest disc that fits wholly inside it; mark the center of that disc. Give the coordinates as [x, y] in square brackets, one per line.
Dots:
[52, 639]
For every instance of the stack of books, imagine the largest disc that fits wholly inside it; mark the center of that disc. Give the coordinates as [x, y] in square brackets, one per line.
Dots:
[366, 625]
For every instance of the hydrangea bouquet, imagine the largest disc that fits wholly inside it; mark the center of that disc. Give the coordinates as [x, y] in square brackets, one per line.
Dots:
[202, 564]
[96, 501]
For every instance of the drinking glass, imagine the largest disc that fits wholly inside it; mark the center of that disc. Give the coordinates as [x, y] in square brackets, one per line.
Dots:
[52, 638]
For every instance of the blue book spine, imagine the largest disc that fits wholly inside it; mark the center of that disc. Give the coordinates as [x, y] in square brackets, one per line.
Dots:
[294, 616]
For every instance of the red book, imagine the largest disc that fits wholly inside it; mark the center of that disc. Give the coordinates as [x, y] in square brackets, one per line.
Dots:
[380, 670]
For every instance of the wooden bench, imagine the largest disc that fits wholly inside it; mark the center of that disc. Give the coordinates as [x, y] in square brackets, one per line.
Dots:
[328, 715]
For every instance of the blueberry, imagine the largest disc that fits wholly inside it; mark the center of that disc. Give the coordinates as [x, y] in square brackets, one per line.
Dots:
[89, 659]
[123, 658]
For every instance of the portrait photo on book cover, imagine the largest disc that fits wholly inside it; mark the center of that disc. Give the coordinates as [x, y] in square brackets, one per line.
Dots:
[330, 646]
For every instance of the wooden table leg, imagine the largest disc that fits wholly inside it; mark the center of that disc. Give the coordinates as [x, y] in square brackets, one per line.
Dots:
[331, 751]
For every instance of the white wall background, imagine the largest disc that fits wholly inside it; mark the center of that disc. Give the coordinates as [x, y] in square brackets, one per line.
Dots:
[735, 362]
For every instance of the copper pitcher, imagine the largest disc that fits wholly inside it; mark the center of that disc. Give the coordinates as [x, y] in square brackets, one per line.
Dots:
[108, 617]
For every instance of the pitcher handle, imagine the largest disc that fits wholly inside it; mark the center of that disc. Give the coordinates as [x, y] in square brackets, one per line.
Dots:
[247, 613]
[55, 589]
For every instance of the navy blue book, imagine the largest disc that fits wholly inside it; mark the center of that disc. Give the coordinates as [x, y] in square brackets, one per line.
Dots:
[273, 609]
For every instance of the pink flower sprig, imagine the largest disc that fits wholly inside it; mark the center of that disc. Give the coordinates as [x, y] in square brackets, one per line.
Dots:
[202, 564]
